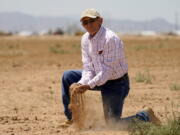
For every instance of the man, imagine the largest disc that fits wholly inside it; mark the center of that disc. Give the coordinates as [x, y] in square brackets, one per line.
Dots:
[104, 68]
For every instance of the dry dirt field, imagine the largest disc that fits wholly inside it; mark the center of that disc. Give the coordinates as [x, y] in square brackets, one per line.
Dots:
[30, 89]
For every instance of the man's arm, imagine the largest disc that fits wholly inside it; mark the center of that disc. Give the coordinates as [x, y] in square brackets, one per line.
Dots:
[88, 70]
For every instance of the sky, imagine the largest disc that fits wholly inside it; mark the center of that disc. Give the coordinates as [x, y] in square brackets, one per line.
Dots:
[137, 10]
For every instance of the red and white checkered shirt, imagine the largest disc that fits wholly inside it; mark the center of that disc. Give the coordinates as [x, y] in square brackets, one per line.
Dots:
[103, 58]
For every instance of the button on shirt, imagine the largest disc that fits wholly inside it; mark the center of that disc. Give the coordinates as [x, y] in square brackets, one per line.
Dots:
[103, 58]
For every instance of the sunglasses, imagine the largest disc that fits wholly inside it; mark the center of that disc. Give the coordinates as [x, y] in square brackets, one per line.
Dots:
[86, 22]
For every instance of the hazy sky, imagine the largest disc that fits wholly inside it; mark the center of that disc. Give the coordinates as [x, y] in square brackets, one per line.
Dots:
[118, 9]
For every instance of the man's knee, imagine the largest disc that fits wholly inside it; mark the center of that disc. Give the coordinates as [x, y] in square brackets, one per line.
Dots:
[67, 74]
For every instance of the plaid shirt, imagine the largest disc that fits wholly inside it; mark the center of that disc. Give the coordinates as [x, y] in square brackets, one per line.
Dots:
[103, 58]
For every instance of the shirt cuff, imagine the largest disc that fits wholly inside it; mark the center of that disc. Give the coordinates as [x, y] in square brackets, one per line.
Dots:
[81, 82]
[91, 84]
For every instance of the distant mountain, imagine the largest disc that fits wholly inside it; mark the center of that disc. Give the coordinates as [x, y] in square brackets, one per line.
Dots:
[16, 21]
[22, 22]
[157, 25]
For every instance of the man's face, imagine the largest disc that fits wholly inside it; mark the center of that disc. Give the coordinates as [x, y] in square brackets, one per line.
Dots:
[92, 25]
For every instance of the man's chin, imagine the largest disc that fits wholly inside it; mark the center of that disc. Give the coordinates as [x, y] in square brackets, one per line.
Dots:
[92, 33]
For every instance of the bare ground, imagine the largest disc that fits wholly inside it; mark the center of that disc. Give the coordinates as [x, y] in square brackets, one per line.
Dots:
[31, 70]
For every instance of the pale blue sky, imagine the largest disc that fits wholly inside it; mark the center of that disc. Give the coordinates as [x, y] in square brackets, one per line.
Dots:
[119, 9]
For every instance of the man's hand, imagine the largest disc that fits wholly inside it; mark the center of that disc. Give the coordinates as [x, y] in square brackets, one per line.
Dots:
[83, 88]
[74, 85]
[78, 88]
[73, 88]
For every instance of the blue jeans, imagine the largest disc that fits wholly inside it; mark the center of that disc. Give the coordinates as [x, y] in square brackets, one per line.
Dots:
[113, 94]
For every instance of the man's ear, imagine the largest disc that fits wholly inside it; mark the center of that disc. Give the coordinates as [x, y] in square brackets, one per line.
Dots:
[101, 20]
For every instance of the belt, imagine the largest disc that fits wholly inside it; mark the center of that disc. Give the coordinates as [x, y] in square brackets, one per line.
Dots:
[119, 79]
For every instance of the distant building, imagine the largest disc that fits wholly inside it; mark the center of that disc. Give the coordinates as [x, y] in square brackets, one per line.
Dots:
[25, 33]
[177, 32]
[148, 33]
[43, 32]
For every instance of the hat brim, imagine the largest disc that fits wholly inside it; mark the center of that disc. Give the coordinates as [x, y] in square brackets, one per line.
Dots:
[90, 16]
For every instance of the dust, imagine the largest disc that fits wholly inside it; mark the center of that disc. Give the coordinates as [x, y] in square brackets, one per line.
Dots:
[87, 111]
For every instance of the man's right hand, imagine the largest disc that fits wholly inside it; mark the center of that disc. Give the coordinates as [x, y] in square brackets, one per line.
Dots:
[73, 88]
[83, 88]
[74, 85]
[77, 88]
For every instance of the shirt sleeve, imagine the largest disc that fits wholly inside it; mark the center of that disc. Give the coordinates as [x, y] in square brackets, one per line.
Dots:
[88, 70]
[112, 56]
